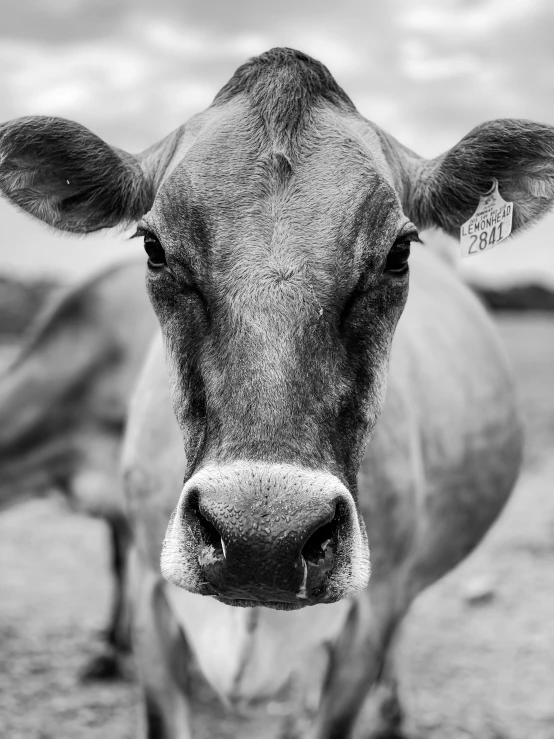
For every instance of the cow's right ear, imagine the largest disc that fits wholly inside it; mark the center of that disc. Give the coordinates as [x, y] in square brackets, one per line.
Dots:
[64, 175]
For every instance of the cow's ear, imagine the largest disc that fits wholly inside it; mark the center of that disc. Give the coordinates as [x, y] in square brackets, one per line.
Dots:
[519, 154]
[61, 173]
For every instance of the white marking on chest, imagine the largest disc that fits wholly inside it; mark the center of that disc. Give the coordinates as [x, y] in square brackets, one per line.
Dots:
[248, 653]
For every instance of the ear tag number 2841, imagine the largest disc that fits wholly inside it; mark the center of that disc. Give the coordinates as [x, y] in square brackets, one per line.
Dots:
[489, 225]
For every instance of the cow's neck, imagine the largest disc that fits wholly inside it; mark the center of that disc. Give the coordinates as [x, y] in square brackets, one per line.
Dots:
[248, 654]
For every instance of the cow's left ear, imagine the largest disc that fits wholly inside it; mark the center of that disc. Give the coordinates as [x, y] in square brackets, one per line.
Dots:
[64, 175]
[444, 192]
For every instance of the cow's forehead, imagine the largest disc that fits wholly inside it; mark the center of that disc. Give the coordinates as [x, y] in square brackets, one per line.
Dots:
[235, 141]
[232, 144]
[237, 180]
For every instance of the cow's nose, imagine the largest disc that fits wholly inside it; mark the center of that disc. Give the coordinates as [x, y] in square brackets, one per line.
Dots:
[262, 554]
[265, 533]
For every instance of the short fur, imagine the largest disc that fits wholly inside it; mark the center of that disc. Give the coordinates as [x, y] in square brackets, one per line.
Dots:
[284, 85]
[61, 173]
[519, 154]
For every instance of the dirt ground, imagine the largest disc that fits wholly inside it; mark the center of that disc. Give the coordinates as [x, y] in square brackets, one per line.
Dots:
[480, 667]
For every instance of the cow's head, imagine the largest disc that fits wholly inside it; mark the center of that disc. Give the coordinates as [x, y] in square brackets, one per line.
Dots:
[278, 226]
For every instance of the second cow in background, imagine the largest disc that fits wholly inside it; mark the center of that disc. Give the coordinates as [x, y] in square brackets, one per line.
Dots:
[63, 405]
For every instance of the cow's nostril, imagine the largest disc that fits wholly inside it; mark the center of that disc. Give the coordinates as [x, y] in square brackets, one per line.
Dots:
[213, 548]
[210, 535]
[315, 548]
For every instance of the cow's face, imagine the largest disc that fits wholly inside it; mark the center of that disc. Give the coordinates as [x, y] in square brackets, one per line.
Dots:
[278, 271]
[278, 229]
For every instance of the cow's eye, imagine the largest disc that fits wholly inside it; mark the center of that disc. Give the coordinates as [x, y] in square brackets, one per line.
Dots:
[155, 251]
[397, 259]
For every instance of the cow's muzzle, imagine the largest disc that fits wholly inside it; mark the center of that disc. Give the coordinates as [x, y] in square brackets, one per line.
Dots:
[276, 535]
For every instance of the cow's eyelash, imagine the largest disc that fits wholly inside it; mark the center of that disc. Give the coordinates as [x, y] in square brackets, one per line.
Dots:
[140, 232]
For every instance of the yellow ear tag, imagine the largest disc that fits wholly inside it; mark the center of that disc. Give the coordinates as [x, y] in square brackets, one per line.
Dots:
[489, 225]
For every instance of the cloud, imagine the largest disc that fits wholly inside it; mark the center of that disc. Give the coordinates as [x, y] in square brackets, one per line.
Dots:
[419, 63]
[460, 19]
[64, 80]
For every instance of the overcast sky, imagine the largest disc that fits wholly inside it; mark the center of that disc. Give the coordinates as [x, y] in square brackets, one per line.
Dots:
[132, 70]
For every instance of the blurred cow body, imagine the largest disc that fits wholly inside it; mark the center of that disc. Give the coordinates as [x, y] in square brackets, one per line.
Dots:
[278, 226]
[63, 407]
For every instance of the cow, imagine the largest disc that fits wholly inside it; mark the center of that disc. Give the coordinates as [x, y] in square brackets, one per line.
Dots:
[320, 414]
[63, 406]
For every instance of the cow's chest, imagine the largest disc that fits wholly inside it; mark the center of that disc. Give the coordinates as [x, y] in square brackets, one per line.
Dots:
[251, 654]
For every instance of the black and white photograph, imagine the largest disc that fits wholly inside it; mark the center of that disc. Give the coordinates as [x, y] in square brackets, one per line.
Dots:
[276, 369]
